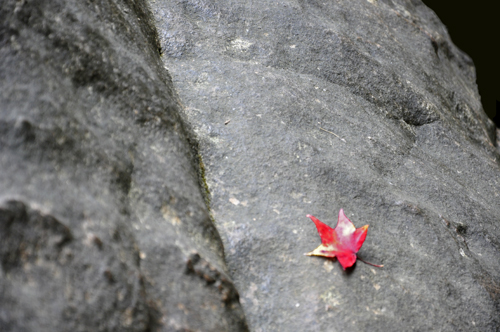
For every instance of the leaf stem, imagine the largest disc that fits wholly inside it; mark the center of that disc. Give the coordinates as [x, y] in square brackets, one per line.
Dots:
[370, 263]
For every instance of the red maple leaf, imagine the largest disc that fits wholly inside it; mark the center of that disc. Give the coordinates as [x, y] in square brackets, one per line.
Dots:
[343, 241]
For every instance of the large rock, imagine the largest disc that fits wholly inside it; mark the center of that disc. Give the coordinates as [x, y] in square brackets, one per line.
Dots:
[311, 106]
[103, 226]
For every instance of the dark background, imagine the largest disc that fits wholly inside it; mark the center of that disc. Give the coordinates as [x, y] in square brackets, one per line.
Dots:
[475, 28]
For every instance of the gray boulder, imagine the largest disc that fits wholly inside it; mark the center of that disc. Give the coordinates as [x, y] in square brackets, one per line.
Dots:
[103, 226]
[306, 107]
[273, 110]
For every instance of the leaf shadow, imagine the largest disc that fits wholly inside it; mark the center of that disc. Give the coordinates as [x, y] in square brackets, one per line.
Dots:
[349, 270]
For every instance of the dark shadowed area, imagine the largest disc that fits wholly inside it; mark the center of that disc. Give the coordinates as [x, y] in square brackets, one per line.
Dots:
[474, 30]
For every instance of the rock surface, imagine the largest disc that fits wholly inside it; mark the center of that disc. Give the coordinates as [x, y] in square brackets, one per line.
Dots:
[296, 107]
[306, 107]
[103, 226]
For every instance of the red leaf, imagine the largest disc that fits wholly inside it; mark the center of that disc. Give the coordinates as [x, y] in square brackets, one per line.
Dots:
[343, 241]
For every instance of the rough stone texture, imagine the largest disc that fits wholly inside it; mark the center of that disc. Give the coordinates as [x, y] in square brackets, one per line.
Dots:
[103, 226]
[311, 106]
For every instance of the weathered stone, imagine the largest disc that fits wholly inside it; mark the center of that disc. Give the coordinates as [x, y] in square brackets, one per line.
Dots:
[100, 205]
[310, 106]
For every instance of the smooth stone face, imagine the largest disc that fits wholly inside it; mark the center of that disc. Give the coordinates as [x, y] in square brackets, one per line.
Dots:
[306, 107]
[103, 226]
